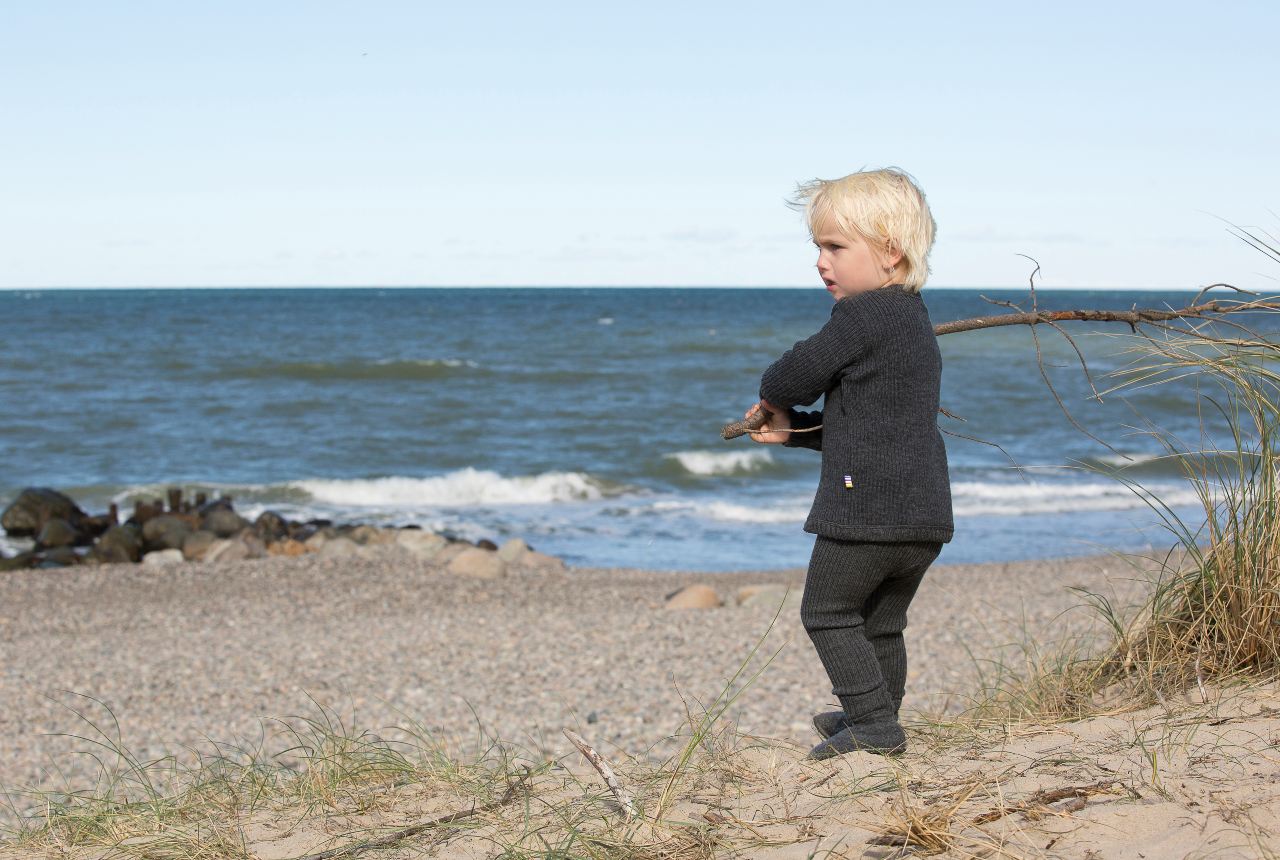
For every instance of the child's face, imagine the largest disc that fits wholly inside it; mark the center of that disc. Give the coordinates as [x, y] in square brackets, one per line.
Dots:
[848, 265]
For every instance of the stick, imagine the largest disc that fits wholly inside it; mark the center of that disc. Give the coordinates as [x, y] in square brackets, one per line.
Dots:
[407, 832]
[1034, 317]
[620, 794]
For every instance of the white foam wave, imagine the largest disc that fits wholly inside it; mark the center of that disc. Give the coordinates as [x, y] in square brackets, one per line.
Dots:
[429, 362]
[706, 463]
[462, 488]
[734, 513]
[978, 498]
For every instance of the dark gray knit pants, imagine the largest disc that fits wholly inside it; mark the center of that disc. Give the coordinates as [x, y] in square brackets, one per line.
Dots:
[854, 609]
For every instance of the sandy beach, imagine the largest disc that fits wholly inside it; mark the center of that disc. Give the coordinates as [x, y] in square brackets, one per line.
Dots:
[202, 651]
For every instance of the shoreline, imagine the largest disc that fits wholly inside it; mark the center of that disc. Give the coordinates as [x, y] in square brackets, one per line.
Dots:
[195, 652]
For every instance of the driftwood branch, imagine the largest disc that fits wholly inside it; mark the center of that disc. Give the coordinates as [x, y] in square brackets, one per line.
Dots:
[447, 823]
[1134, 318]
[620, 794]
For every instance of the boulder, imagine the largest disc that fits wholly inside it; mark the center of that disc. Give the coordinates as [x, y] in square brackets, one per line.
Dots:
[165, 532]
[253, 543]
[63, 556]
[485, 543]
[287, 547]
[119, 544]
[541, 561]
[315, 542]
[371, 535]
[222, 521]
[695, 596]
[21, 561]
[34, 507]
[57, 532]
[197, 544]
[512, 550]
[478, 563]
[770, 594]
[224, 549]
[163, 558]
[422, 544]
[270, 526]
[451, 550]
[338, 547]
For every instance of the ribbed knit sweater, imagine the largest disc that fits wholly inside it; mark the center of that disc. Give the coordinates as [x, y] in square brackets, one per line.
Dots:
[884, 466]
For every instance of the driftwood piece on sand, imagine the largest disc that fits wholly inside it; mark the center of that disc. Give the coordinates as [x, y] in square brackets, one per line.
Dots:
[1135, 317]
[620, 794]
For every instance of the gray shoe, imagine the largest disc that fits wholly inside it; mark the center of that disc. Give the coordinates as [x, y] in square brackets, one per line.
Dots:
[829, 722]
[881, 739]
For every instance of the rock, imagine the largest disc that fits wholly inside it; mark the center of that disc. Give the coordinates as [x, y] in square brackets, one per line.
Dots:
[315, 541]
[34, 507]
[770, 594]
[451, 550]
[57, 532]
[512, 550]
[696, 596]
[119, 544]
[371, 535]
[542, 562]
[197, 544]
[21, 561]
[64, 556]
[485, 543]
[478, 563]
[270, 526]
[222, 521]
[253, 543]
[165, 532]
[225, 549]
[339, 547]
[163, 558]
[421, 543]
[287, 547]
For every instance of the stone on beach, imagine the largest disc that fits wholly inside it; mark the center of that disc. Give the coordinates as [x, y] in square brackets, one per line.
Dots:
[424, 545]
[163, 558]
[513, 550]
[270, 526]
[222, 521]
[339, 547]
[770, 594]
[287, 547]
[119, 544]
[34, 507]
[196, 544]
[57, 532]
[696, 596]
[166, 532]
[478, 563]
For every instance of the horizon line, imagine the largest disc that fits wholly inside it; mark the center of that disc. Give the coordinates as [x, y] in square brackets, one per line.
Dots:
[554, 287]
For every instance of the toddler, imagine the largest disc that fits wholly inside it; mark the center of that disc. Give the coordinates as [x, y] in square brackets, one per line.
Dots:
[883, 505]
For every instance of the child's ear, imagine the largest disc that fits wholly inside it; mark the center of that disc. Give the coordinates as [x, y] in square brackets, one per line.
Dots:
[892, 253]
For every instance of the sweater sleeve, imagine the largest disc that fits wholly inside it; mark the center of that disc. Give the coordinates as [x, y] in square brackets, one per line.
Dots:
[800, 421]
[809, 368]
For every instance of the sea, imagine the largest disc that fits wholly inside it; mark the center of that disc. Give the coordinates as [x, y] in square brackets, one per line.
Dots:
[584, 420]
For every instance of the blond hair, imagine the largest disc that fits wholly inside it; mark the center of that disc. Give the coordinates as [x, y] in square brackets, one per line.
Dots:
[885, 207]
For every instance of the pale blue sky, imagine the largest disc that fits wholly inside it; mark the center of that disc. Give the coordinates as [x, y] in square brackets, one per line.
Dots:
[377, 143]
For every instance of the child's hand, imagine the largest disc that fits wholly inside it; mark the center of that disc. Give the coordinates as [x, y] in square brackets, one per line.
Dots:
[775, 430]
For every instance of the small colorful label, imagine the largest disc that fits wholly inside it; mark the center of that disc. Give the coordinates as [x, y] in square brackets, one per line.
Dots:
[848, 482]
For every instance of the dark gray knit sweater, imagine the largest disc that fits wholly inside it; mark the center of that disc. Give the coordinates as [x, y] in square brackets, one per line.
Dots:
[884, 466]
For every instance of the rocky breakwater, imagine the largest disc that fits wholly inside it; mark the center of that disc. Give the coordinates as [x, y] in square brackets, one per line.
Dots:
[212, 531]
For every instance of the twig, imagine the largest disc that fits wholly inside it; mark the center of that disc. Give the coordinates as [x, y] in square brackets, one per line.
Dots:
[620, 794]
[1135, 317]
[448, 821]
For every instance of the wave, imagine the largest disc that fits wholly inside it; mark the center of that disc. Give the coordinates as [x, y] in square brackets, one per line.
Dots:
[462, 488]
[707, 463]
[384, 369]
[979, 498]
[730, 512]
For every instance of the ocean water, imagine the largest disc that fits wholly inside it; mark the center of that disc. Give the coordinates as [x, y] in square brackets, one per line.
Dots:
[584, 420]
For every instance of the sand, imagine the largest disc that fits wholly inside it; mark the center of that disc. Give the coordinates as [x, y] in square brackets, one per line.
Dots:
[199, 652]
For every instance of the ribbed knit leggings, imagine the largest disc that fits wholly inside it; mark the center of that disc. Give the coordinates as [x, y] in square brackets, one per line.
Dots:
[854, 609]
